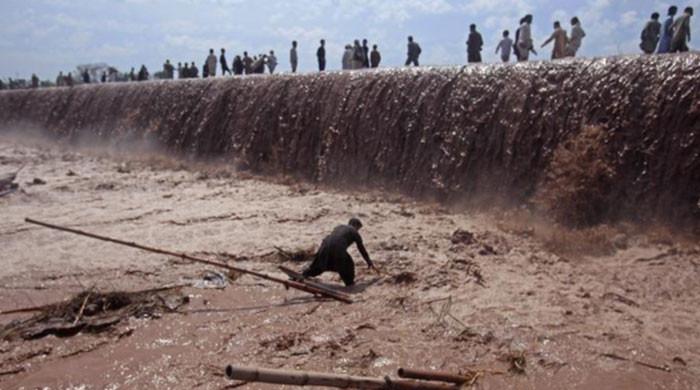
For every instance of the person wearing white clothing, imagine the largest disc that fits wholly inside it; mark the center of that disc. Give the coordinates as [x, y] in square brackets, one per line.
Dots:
[525, 45]
[505, 46]
[211, 63]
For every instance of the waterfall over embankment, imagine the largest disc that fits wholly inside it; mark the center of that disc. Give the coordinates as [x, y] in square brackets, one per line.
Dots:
[480, 132]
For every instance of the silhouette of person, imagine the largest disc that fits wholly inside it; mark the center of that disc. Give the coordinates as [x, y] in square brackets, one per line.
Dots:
[560, 41]
[577, 35]
[474, 45]
[271, 62]
[347, 57]
[321, 56]
[414, 52]
[667, 32]
[168, 70]
[247, 63]
[332, 255]
[143, 73]
[224, 63]
[210, 64]
[505, 46]
[237, 65]
[681, 32]
[365, 54]
[294, 57]
[524, 41]
[375, 57]
[358, 56]
[650, 34]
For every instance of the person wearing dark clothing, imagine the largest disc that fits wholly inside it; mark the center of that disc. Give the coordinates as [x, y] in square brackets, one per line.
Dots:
[168, 70]
[132, 75]
[224, 64]
[185, 72]
[365, 53]
[69, 79]
[259, 65]
[474, 45]
[358, 56]
[205, 70]
[179, 70]
[681, 32]
[414, 51]
[651, 34]
[667, 32]
[86, 77]
[237, 65]
[143, 73]
[104, 77]
[194, 71]
[35, 81]
[247, 63]
[321, 55]
[375, 57]
[333, 255]
[294, 57]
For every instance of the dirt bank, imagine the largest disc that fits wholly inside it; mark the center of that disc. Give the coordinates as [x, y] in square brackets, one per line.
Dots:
[476, 134]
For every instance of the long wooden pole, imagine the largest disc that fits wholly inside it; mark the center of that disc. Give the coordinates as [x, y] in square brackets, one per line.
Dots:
[286, 283]
[433, 376]
[308, 378]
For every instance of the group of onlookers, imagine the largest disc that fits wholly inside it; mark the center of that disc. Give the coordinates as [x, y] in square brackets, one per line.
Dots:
[672, 37]
[213, 66]
[523, 45]
[355, 56]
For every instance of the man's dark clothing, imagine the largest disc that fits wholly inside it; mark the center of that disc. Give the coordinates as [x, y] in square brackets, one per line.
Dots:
[321, 55]
[375, 58]
[237, 66]
[168, 70]
[365, 51]
[224, 65]
[414, 51]
[333, 255]
[474, 45]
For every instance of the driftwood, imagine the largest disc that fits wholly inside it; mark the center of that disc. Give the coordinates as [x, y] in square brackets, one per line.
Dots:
[437, 376]
[50, 305]
[307, 378]
[300, 278]
[92, 312]
[286, 283]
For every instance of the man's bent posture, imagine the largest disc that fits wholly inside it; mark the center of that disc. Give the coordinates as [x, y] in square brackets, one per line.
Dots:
[333, 255]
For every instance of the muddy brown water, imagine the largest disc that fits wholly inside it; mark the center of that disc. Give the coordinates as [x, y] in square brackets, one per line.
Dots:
[479, 133]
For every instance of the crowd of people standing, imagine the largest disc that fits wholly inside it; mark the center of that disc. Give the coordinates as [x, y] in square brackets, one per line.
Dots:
[671, 37]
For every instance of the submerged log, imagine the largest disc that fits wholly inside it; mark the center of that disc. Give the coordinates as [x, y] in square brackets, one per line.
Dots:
[308, 378]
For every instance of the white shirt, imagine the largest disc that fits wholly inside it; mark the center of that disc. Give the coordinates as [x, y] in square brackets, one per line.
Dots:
[505, 46]
[525, 38]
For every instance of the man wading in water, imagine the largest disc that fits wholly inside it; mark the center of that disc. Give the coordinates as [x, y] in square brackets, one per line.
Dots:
[333, 255]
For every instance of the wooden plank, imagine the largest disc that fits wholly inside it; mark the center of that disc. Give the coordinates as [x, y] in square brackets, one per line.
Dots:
[301, 279]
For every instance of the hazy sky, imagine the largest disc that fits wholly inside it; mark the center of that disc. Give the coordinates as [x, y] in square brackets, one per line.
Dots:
[45, 36]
